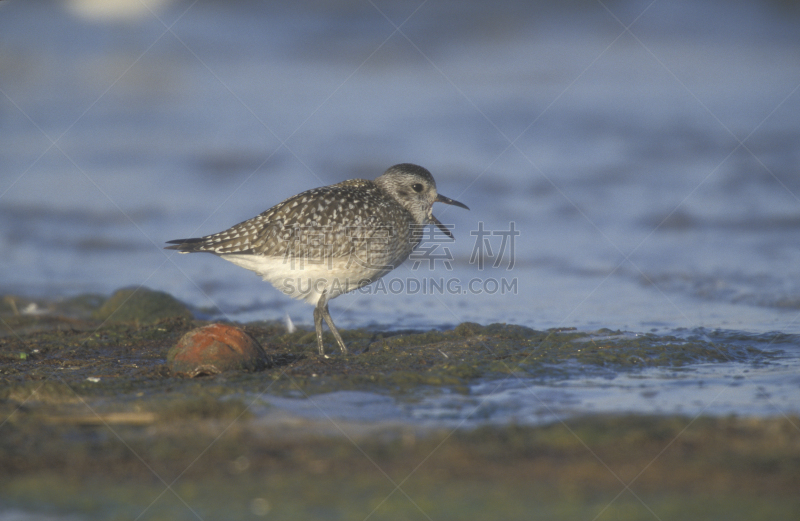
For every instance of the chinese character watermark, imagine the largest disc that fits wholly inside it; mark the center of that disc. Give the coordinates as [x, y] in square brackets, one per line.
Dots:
[482, 250]
[373, 248]
[431, 238]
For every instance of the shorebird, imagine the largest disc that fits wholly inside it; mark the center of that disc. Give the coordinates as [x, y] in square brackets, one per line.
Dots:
[328, 241]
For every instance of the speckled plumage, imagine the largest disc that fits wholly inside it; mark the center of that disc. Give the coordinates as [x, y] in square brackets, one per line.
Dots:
[327, 241]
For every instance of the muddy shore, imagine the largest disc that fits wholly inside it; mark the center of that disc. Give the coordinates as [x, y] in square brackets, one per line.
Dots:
[93, 422]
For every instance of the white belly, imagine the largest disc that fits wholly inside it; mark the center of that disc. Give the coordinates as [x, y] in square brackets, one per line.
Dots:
[304, 280]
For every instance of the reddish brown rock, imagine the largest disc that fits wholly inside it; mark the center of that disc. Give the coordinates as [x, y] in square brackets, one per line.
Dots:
[216, 348]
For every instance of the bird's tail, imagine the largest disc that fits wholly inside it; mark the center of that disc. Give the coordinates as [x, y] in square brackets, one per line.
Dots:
[190, 245]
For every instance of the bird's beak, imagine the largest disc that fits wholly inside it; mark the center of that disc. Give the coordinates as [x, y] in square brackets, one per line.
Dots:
[446, 200]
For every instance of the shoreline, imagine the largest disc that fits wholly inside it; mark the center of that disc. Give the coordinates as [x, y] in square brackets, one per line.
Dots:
[94, 422]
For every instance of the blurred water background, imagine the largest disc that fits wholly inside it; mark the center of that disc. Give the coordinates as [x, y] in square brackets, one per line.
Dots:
[646, 153]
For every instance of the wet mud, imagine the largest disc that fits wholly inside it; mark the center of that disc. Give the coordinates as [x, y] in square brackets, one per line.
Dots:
[93, 422]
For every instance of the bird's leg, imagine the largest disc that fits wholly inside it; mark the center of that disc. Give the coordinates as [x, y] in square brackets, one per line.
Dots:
[320, 312]
[327, 316]
[318, 325]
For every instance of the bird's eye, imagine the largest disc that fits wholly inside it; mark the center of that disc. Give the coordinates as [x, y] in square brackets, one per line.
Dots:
[417, 187]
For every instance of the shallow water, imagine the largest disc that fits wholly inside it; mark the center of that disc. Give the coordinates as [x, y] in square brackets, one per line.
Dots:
[745, 387]
[717, 390]
[652, 174]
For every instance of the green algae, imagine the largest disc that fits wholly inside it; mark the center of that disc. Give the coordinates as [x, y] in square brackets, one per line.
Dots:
[100, 357]
[142, 306]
